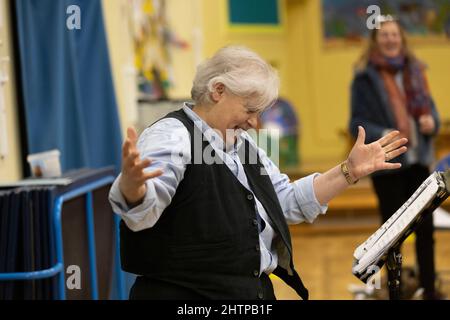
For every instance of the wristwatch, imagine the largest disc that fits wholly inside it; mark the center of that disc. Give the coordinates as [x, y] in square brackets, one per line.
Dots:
[346, 174]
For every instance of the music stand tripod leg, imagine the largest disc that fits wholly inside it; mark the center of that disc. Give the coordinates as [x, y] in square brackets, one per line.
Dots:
[394, 267]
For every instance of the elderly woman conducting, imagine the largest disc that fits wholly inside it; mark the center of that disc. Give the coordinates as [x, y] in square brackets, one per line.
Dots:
[204, 211]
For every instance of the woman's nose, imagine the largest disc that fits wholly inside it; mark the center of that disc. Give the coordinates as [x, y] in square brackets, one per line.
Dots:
[253, 121]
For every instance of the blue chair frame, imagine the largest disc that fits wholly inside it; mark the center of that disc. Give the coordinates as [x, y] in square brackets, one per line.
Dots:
[443, 163]
[58, 268]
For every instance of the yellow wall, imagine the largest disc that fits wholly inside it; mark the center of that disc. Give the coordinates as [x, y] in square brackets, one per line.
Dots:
[271, 46]
[319, 86]
[120, 44]
[186, 20]
[121, 57]
[203, 24]
[296, 53]
[184, 17]
[316, 78]
[10, 166]
[320, 78]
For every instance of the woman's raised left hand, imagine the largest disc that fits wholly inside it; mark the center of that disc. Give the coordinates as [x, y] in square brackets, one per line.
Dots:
[365, 159]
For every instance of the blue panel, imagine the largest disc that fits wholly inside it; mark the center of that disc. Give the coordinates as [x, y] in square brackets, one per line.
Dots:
[67, 85]
[253, 12]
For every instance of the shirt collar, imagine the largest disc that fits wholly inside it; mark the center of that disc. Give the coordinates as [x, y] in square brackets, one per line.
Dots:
[211, 135]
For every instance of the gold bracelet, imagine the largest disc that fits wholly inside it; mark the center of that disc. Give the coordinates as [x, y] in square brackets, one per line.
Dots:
[346, 174]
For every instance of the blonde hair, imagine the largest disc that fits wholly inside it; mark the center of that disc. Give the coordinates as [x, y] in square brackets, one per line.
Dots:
[243, 73]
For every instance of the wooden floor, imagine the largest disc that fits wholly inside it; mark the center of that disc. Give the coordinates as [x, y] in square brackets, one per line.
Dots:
[324, 262]
[323, 251]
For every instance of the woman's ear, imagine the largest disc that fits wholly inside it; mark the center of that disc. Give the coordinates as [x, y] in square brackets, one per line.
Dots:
[219, 90]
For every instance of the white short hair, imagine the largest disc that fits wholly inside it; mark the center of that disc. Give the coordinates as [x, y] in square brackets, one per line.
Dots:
[243, 73]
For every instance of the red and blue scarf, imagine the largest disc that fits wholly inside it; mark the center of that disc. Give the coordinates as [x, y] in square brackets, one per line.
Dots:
[415, 99]
[415, 84]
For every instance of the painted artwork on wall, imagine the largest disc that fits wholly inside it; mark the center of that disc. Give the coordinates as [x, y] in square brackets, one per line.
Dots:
[346, 19]
[153, 41]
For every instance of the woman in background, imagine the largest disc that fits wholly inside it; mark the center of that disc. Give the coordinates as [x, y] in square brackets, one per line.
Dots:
[390, 92]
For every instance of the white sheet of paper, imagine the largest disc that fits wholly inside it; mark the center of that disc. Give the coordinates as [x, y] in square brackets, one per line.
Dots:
[369, 252]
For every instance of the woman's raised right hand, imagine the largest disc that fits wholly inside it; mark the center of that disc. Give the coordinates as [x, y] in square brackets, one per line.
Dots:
[133, 178]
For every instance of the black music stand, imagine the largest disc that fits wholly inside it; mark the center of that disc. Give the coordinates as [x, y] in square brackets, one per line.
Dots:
[394, 267]
[392, 257]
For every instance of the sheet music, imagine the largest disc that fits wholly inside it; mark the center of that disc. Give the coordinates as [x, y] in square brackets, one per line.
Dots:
[362, 249]
[372, 250]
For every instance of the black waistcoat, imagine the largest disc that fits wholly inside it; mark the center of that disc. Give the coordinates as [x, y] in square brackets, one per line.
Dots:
[207, 239]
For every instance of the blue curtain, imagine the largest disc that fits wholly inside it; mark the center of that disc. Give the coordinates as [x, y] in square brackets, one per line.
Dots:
[67, 85]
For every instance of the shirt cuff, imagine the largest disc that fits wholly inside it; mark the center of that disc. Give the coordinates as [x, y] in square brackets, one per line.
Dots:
[306, 198]
[120, 206]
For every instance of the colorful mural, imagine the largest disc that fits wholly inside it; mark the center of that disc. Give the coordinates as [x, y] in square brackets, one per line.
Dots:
[346, 19]
[153, 40]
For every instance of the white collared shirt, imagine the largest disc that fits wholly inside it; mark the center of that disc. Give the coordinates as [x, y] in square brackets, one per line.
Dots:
[168, 144]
